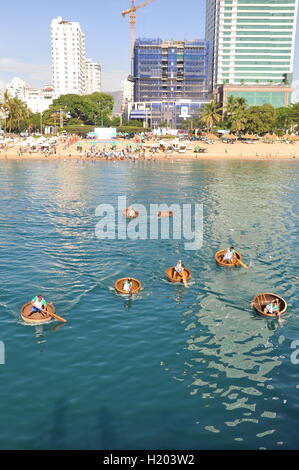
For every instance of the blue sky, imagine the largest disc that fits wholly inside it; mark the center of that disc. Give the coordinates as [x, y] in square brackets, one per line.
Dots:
[25, 49]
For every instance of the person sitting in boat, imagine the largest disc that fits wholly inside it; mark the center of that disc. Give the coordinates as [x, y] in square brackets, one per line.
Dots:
[179, 268]
[38, 304]
[229, 255]
[131, 212]
[128, 285]
[272, 307]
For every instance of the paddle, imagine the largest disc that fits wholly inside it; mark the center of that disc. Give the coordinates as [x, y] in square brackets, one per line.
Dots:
[237, 260]
[54, 316]
[183, 274]
[242, 264]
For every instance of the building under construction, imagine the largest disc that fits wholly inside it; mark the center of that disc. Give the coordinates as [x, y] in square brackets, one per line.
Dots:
[170, 80]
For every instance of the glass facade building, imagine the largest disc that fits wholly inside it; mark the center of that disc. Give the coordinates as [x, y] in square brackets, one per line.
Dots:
[251, 41]
[171, 77]
[170, 70]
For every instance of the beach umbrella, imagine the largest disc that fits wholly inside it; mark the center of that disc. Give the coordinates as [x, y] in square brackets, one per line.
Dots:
[250, 136]
[230, 136]
[270, 137]
[211, 137]
[290, 137]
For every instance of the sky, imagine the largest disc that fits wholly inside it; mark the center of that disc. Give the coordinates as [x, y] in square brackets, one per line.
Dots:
[25, 44]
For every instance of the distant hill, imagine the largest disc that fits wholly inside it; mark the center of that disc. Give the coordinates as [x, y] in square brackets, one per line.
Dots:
[117, 100]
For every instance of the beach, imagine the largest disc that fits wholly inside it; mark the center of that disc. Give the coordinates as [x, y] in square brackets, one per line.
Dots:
[277, 150]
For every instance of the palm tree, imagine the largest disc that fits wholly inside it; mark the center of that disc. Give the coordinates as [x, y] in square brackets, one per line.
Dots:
[209, 114]
[15, 111]
[230, 105]
[236, 113]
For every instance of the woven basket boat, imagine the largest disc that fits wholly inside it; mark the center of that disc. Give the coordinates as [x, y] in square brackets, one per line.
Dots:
[36, 317]
[260, 301]
[119, 286]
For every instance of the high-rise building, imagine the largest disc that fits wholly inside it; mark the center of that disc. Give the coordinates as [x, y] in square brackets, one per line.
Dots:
[93, 77]
[171, 77]
[251, 41]
[68, 57]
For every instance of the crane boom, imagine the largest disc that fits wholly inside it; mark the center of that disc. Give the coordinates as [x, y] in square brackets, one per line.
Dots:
[133, 9]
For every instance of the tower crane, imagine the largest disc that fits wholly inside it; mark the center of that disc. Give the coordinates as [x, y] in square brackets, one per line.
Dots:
[132, 12]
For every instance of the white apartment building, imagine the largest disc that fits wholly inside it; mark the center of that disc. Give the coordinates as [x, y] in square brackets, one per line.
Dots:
[17, 88]
[251, 41]
[68, 57]
[93, 77]
[127, 94]
[37, 100]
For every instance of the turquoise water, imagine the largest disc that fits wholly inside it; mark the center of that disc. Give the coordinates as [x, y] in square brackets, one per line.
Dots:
[173, 368]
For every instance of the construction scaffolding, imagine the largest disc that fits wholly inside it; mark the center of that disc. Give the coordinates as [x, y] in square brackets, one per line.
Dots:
[170, 70]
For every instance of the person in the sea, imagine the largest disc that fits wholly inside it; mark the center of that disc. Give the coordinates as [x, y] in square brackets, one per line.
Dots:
[179, 268]
[128, 285]
[229, 255]
[131, 212]
[38, 304]
[272, 307]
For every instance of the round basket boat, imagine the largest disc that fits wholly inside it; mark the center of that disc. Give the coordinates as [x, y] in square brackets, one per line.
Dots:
[119, 286]
[260, 301]
[219, 255]
[165, 214]
[126, 213]
[36, 317]
[171, 276]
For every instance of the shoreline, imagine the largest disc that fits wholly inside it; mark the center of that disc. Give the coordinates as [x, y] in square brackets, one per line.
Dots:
[155, 159]
[260, 151]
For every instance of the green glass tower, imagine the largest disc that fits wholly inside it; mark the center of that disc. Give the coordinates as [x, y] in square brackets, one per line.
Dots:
[251, 41]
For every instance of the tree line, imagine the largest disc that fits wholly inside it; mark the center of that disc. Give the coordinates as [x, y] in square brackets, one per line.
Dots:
[96, 109]
[71, 110]
[240, 118]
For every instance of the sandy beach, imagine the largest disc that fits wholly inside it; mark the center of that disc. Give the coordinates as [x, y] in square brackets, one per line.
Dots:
[218, 150]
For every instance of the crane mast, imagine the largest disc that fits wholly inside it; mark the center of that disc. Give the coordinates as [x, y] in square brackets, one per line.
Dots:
[132, 21]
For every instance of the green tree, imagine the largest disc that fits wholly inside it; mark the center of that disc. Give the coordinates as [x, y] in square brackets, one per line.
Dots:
[104, 103]
[210, 115]
[115, 121]
[260, 119]
[235, 115]
[16, 112]
[294, 114]
[283, 119]
[94, 109]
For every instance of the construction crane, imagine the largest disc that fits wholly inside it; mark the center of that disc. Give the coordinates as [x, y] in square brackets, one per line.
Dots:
[132, 22]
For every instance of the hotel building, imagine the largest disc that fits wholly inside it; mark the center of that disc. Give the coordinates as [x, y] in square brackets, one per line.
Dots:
[68, 57]
[252, 43]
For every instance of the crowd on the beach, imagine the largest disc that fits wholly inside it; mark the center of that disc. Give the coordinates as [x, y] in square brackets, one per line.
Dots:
[111, 152]
[145, 148]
